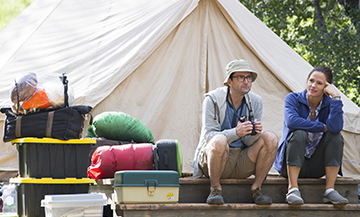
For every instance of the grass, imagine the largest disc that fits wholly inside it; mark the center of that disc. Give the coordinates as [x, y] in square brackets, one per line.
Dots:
[9, 9]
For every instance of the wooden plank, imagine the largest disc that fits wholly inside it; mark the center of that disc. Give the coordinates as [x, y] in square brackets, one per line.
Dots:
[235, 206]
[236, 213]
[247, 210]
[280, 181]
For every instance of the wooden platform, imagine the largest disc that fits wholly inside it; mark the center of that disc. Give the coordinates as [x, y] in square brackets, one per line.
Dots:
[238, 190]
[238, 201]
[244, 210]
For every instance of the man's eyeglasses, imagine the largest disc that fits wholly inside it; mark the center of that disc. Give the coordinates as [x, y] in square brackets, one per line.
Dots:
[242, 78]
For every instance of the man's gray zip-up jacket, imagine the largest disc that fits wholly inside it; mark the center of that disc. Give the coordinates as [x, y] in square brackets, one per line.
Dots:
[213, 114]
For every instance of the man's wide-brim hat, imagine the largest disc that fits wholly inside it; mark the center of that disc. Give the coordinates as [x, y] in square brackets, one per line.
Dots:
[238, 66]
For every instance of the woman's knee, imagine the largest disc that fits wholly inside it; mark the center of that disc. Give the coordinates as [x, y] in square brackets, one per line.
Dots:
[299, 135]
[297, 140]
[335, 137]
[295, 148]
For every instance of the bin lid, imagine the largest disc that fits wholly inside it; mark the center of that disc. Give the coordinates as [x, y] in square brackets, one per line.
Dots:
[74, 200]
[10, 214]
[19, 180]
[141, 178]
[51, 140]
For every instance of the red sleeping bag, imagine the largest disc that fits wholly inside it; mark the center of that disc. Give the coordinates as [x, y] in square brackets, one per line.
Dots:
[106, 160]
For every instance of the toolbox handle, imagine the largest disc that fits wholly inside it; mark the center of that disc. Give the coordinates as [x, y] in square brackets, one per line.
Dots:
[151, 186]
[151, 181]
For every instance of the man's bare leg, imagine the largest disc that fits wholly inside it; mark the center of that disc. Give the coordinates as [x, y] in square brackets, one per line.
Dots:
[217, 154]
[263, 153]
[217, 151]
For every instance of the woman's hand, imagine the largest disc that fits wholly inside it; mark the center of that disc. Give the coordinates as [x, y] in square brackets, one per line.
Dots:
[330, 90]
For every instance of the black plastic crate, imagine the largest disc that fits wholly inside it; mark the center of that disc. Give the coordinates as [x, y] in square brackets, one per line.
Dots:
[47, 157]
[31, 191]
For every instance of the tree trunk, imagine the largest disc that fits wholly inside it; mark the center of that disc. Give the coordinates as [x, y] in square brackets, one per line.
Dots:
[319, 18]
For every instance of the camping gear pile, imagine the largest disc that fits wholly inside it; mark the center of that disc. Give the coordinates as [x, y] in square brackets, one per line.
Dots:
[124, 143]
[52, 156]
[46, 131]
[125, 151]
[143, 172]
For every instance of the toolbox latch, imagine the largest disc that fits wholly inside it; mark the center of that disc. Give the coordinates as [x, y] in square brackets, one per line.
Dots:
[151, 186]
[151, 191]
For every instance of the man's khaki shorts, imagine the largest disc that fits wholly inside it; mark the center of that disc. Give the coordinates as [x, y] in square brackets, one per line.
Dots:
[238, 165]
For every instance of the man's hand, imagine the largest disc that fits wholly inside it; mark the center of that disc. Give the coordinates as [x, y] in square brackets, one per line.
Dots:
[245, 128]
[258, 127]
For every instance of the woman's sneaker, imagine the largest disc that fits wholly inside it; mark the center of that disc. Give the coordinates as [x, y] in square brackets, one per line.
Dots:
[215, 197]
[294, 198]
[335, 198]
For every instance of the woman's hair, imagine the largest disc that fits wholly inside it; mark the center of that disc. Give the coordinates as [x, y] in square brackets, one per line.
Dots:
[326, 70]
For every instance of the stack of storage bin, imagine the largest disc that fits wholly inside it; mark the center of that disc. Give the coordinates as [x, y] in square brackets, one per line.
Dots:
[50, 166]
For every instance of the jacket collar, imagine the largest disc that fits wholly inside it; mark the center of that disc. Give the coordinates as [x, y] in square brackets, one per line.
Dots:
[325, 100]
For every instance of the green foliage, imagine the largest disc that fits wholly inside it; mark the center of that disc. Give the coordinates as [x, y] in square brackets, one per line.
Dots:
[337, 46]
[9, 9]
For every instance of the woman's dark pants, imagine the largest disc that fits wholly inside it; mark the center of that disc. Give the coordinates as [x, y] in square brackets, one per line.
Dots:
[329, 152]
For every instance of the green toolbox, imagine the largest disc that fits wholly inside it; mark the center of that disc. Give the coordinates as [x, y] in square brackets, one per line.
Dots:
[146, 186]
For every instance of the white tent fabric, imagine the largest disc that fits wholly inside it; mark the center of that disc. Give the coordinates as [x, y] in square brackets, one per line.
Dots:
[155, 60]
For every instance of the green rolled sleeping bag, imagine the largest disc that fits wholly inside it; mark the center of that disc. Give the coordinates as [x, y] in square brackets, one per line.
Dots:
[122, 127]
[91, 132]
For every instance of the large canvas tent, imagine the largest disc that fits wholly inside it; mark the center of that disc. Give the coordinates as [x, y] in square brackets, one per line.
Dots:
[155, 60]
